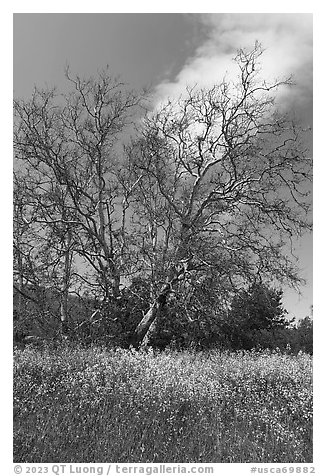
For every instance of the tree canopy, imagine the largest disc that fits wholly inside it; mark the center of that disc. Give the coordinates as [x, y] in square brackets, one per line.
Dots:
[200, 197]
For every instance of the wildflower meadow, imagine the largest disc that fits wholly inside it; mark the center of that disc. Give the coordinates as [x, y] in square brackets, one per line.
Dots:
[97, 405]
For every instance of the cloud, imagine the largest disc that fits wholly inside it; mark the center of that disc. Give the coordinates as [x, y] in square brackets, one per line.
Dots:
[286, 38]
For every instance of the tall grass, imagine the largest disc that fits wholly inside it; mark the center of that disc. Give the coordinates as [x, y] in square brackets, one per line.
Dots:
[94, 405]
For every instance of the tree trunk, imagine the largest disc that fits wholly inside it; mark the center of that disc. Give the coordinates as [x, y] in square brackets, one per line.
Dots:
[65, 287]
[115, 281]
[64, 313]
[148, 325]
[146, 321]
[150, 332]
[20, 284]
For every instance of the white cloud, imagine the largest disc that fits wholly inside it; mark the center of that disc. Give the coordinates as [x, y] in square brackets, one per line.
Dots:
[287, 39]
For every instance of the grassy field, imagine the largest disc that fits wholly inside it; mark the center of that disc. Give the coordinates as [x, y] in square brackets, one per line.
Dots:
[94, 405]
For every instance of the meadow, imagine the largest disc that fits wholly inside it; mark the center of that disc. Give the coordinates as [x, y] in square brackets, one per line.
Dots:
[96, 405]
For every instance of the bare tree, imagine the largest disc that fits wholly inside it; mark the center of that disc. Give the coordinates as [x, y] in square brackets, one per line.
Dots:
[212, 189]
[67, 146]
[231, 181]
[44, 238]
[21, 233]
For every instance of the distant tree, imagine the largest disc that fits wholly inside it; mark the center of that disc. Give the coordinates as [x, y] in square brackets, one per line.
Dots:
[255, 311]
[304, 335]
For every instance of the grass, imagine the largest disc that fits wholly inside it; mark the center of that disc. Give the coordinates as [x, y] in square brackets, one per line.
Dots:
[95, 405]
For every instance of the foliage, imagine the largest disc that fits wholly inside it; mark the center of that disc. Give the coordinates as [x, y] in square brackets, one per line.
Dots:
[198, 319]
[305, 330]
[302, 336]
[93, 405]
[195, 321]
[254, 310]
[90, 321]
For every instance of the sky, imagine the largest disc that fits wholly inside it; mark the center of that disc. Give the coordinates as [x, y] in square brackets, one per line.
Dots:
[167, 52]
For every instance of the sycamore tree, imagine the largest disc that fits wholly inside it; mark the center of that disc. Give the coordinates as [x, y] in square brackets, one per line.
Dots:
[207, 196]
[66, 149]
[44, 238]
[42, 258]
[223, 188]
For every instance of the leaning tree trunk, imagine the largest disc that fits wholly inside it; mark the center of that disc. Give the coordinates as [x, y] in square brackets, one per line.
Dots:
[150, 332]
[146, 329]
[148, 325]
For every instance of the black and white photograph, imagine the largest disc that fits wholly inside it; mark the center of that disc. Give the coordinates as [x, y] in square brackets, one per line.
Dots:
[162, 241]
